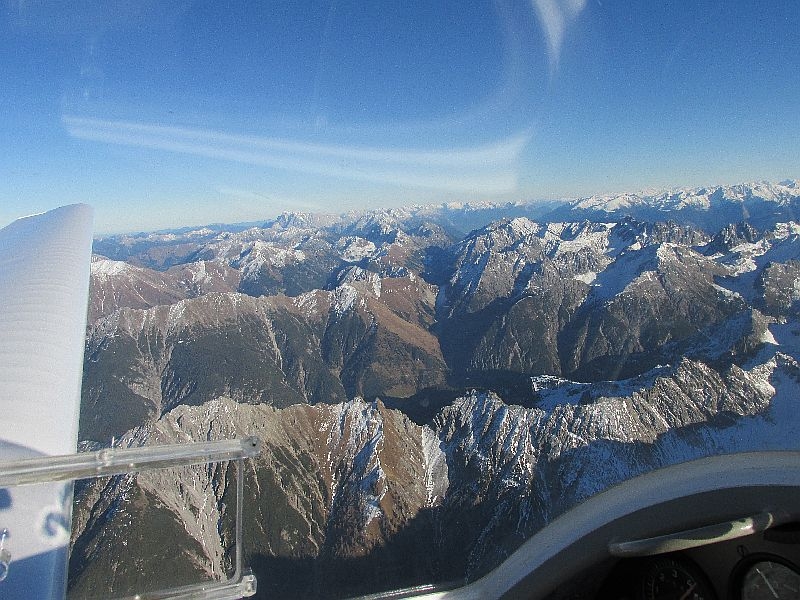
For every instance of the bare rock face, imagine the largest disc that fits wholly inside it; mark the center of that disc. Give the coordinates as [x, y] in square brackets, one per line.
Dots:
[427, 398]
[322, 346]
[588, 301]
[116, 284]
[357, 485]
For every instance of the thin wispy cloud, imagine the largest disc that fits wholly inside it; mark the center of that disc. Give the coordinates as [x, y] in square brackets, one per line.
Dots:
[490, 168]
[555, 16]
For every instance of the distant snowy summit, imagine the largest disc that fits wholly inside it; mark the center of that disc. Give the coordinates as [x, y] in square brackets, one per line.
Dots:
[762, 204]
[705, 198]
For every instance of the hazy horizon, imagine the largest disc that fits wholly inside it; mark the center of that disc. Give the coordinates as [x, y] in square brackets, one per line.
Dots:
[163, 115]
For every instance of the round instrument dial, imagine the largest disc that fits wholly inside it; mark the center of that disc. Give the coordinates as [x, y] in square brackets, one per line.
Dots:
[770, 580]
[675, 579]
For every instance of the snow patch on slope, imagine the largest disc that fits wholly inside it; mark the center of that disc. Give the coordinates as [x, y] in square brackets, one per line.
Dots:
[435, 462]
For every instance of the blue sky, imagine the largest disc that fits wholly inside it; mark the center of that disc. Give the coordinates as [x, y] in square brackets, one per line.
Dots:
[184, 113]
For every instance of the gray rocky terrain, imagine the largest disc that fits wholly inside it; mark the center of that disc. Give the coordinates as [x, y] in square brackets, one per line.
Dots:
[428, 397]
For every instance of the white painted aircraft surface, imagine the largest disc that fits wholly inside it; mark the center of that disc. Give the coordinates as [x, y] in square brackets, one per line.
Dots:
[44, 286]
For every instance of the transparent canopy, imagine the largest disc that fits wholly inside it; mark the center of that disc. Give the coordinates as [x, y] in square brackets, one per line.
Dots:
[480, 277]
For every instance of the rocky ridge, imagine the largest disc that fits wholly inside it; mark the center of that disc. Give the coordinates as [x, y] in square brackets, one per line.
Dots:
[429, 398]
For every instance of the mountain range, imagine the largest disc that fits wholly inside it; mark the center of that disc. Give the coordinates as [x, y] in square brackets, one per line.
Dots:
[432, 384]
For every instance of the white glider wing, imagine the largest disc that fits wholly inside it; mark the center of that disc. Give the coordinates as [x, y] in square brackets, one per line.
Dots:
[44, 287]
